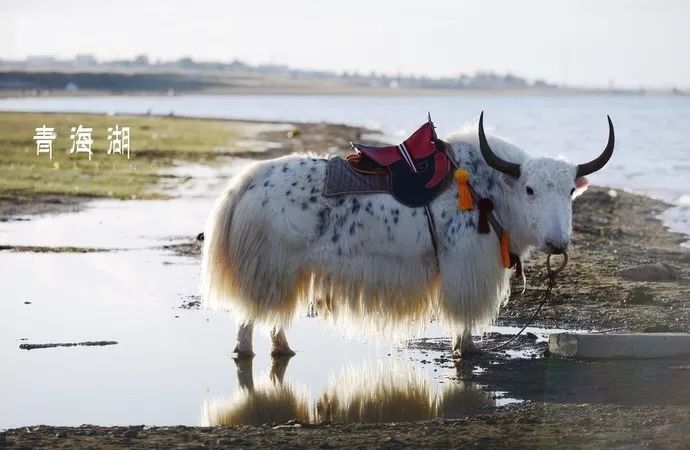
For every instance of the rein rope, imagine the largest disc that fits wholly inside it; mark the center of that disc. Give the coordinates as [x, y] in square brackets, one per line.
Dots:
[551, 275]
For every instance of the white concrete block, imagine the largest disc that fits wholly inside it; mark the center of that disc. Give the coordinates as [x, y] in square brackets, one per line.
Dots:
[640, 345]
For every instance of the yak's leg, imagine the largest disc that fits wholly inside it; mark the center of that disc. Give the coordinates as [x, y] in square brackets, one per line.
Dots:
[244, 347]
[279, 343]
[464, 345]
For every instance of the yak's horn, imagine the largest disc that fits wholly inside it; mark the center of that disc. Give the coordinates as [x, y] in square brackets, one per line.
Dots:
[491, 158]
[601, 160]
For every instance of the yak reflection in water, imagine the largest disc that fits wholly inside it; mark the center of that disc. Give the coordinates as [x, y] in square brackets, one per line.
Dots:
[378, 393]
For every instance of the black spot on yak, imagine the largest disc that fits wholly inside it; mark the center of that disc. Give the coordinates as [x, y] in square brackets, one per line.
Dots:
[355, 206]
[294, 183]
[304, 205]
[288, 192]
[324, 217]
[312, 199]
[352, 229]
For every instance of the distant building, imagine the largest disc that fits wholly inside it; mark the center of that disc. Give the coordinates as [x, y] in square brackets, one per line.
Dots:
[85, 59]
[39, 60]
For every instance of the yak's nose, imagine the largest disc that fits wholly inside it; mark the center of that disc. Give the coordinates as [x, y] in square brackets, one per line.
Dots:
[556, 247]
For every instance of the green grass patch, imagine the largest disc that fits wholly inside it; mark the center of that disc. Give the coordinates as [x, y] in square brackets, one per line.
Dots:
[155, 143]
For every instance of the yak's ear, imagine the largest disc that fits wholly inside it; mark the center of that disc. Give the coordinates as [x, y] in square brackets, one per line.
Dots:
[581, 184]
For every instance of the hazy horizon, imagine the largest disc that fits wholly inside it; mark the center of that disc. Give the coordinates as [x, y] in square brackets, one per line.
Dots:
[637, 43]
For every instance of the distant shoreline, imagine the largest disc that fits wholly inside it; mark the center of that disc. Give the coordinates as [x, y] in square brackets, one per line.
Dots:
[342, 91]
[16, 82]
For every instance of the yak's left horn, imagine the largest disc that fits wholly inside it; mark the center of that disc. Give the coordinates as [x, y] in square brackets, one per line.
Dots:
[492, 159]
[601, 160]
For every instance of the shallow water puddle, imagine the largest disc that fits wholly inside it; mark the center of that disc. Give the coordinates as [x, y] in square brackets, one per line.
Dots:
[171, 365]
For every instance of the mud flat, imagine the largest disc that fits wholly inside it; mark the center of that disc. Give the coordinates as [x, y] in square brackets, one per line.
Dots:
[530, 425]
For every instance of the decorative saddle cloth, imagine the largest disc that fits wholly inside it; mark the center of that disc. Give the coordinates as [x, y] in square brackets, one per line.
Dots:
[414, 172]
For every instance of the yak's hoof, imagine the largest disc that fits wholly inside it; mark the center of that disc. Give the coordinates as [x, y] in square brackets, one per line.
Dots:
[282, 353]
[242, 354]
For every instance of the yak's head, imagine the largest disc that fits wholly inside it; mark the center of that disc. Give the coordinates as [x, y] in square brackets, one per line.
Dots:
[543, 191]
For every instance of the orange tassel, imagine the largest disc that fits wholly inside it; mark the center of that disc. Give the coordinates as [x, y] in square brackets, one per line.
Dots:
[462, 178]
[505, 250]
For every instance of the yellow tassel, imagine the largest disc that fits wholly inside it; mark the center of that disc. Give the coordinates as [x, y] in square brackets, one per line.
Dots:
[462, 177]
[505, 250]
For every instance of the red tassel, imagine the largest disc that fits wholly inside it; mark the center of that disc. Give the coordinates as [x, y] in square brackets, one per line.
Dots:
[485, 206]
[505, 250]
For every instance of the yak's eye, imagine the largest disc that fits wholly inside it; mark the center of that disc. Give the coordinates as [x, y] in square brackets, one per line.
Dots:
[572, 191]
[529, 190]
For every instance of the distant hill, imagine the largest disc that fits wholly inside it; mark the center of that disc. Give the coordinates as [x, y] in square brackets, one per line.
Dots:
[85, 74]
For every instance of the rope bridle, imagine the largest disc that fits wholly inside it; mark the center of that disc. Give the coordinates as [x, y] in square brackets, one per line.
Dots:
[551, 275]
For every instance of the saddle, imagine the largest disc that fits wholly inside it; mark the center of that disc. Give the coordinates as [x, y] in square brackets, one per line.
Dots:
[417, 170]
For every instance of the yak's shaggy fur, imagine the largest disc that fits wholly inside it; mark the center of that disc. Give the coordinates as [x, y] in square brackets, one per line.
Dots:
[274, 242]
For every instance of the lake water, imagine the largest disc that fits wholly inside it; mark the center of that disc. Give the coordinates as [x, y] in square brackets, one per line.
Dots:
[173, 365]
[652, 136]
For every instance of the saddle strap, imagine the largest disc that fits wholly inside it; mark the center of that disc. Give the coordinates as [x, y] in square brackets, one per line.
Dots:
[402, 148]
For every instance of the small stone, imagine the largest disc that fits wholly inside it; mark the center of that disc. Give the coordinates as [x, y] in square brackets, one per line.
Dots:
[651, 272]
[639, 295]
[200, 236]
[131, 433]
[60, 434]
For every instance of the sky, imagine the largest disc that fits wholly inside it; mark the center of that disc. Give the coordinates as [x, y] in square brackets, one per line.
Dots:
[633, 43]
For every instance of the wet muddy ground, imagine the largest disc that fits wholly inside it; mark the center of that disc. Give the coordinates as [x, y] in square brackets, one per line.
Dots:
[626, 272]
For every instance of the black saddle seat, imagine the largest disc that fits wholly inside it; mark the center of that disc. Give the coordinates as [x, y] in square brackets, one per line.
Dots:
[418, 169]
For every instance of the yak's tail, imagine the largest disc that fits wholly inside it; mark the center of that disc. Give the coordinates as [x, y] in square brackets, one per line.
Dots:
[247, 267]
[218, 280]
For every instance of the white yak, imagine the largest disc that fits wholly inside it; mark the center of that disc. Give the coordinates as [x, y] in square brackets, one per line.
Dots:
[273, 243]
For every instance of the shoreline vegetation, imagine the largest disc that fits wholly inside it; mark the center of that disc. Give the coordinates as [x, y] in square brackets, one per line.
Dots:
[627, 272]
